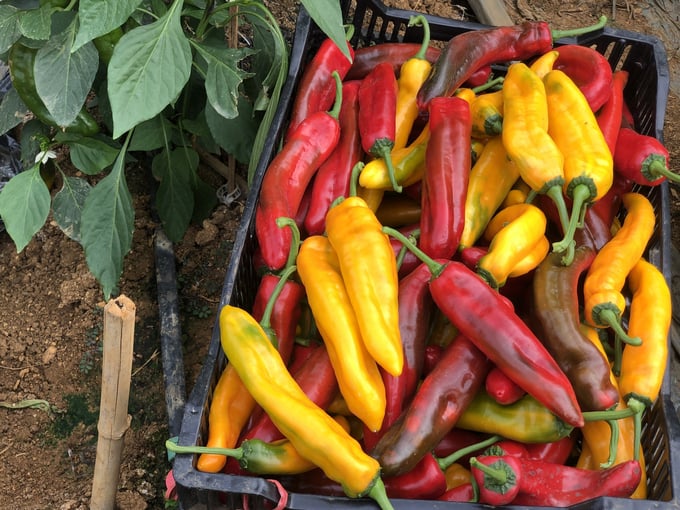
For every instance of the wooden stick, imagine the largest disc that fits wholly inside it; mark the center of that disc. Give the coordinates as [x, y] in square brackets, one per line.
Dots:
[118, 339]
[491, 12]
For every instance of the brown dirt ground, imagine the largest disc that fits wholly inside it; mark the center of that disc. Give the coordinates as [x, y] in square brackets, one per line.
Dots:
[51, 318]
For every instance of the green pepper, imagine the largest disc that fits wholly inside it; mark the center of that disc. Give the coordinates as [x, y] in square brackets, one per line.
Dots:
[106, 43]
[21, 61]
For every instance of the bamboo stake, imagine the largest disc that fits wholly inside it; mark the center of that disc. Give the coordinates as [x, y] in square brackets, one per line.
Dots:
[118, 339]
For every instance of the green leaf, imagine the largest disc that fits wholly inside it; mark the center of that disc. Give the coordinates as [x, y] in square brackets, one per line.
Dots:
[33, 134]
[175, 198]
[24, 206]
[107, 225]
[67, 205]
[205, 199]
[148, 70]
[99, 17]
[152, 134]
[9, 27]
[37, 23]
[63, 79]
[224, 77]
[328, 16]
[12, 111]
[91, 155]
[237, 135]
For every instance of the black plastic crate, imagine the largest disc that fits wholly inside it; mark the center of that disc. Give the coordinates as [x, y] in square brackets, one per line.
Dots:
[643, 57]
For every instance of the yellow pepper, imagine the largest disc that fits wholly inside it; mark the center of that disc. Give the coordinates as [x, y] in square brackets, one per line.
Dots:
[519, 194]
[369, 270]
[358, 376]
[408, 162]
[412, 75]
[532, 259]
[491, 177]
[643, 366]
[603, 301]
[544, 64]
[486, 113]
[525, 136]
[456, 474]
[311, 431]
[588, 162]
[514, 233]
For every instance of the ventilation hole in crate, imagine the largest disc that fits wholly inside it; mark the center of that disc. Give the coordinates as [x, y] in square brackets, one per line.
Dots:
[401, 31]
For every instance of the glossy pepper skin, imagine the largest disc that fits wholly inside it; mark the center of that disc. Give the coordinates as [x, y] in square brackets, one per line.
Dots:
[312, 432]
[377, 115]
[526, 420]
[481, 315]
[588, 162]
[555, 319]
[332, 179]
[589, 70]
[642, 158]
[610, 115]
[447, 161]
[526, 139]
[643, 366]
[415, 311]
[316, 89]
[369, 270]
[501, 388]
[604, 303]
[412, 74]
[358, 376]
[436, 407]
[514, 232]
[287, 178]
[21, 60]
[469, 51]
[490, 180]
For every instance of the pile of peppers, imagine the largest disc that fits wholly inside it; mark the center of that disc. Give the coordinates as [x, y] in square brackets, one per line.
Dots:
[455, 302]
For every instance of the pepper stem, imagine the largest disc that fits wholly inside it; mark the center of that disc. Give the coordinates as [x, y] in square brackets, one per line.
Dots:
[654, 166]
[559, 34]
[282, 222]
[435, 267]
[266, 321]
[446, 462]
[639, 407]
[421, 21]
[610, 318]
[413, 236]
[500, 475]
[379, 495]
[335, 111]
[383, 149]
[354, 178]
[489, 84]
[173, 448]
[580, 195]
[613, 444]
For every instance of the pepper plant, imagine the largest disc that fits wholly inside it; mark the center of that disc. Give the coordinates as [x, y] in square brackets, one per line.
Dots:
[166, 79]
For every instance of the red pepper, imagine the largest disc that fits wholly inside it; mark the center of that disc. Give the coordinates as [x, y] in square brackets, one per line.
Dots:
[557, 452]
[611, 114]
[608, 206]
[415, 310]
[288, 176]
[467, 52]
[501, 388]
[456, 440]
[589, 69]
[447, 161]
[642, 158]
[463, 493]
[433, 354]
[406, 260]
[333, 177]
[394, 53]
[316, 89]
[425, 481]
[522, 481]
[507, 447]
[377, 115]
[316, 378]
[478, 78]
[440, 400]
[555, 317]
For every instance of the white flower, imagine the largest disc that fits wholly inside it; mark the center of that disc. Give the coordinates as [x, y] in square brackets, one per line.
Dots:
[43, 156]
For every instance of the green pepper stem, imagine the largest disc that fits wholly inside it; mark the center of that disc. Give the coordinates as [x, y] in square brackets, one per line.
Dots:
[559, 34]
[613, 443]
[354, 178]
[349, 31]
[413, 236]
[489, 84]
[435, 267]
[639, 407]
[266, 320]
[383, 149]
[282, 222]
[421, 21]
[379, 494]
[612, 414]
[497, 474]
[610, 318]
[335, 111]
[580, 195]
[654, 166]
[172, 446]
[446, 462]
